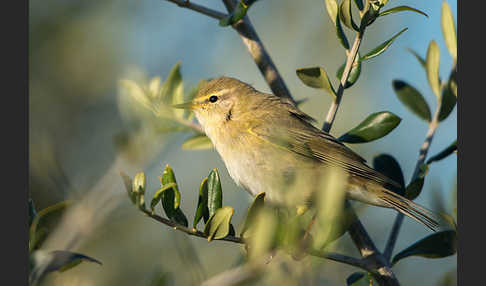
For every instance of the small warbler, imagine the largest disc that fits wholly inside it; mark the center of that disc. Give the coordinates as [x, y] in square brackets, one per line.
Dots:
[267, 144]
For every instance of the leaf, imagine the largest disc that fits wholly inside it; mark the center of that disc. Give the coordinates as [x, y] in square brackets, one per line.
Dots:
[399, 9]
[46, 219]
[448, 102]
[359, 279]
[444, 153]
[346, 16]
[373, 127]
[453, 82]
[412, 99]
[171, 197]
[437, 245]
[215, 192]
[172, 90]
[381, 48]
[197, 142]
[218, 225]
[63, 260]
[432, 63]
[238, 14]
[353, 74]
[158, 195]
[253, 210]
[202, 210]
[388, 166]
[333, 10]
[359, 4]
[418, 57]
[128, 186]
[414, 189]
[316, 77]
[449, 30]
[138, 189]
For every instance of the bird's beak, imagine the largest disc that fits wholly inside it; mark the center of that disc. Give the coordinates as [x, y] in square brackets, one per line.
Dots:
[186, 105]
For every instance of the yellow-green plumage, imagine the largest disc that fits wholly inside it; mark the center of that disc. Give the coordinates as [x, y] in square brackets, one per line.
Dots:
[267, 144]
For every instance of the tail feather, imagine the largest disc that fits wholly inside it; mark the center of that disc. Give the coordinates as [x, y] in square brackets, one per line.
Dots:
[411, 209]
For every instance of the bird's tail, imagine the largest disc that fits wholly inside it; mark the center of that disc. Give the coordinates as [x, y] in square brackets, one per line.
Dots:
[430, 219]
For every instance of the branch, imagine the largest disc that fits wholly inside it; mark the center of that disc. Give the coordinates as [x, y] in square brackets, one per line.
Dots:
[198, 8]
[259, 54]
[421, 159]
[331, 114]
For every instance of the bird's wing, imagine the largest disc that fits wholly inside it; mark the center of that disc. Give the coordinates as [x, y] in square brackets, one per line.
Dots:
[302, 138]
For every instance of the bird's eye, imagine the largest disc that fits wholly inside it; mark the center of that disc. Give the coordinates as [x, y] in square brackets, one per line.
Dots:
[213, 98]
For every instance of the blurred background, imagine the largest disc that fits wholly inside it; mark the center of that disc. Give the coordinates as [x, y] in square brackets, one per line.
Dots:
[80, 50]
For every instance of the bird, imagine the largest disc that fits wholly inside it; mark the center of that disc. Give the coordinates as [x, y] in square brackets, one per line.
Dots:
[267, 143]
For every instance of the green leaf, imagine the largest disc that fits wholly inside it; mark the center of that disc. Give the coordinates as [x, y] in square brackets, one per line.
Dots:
[449, 30]
[215, 192]
[346, 16]
[359, 279]
[453, 82]
[399, 9]
[432, 63]
[448, 103]
[353, 74]
[373, 127]
[202, 210]
[171, 197]
[138, 189]
[333, 11]
[316, 77]
[359, 4]
[437, 245]
[255, 207]
[238, 14]
[63, 260]
[418, 57]
[197, 142]
[444, 153]
[388, 166]
[412, 99]
[381, 48]
[414, 189]
[158, 195]
[46, 219]
[128, 186]
[300, 101]
[218, 225]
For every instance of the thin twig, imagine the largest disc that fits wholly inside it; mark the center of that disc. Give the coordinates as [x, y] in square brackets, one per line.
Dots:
[331, 114]
[259, 54]
[200, 9]
[421, 159]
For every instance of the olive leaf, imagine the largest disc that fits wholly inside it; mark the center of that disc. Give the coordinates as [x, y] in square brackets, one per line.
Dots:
[414, 189]
[215, 192]
[218, 225]
[253, 210]
[448, 102]
[400, 9]
[346, 15]
[138, 189]
[412, 99]
[449, 30]
[197, 142]
[432, 63]
[333, 11]
[382, 47]
[444, 153]
[353, 74]
[389, 166]
[418, 57]
[127, 181]
[171, 197]
[202, 210]
[316, 77]
[158, 195]
[437, 245]
[375, 126]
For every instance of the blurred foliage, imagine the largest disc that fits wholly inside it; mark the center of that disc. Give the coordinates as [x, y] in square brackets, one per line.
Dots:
[76, 58]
